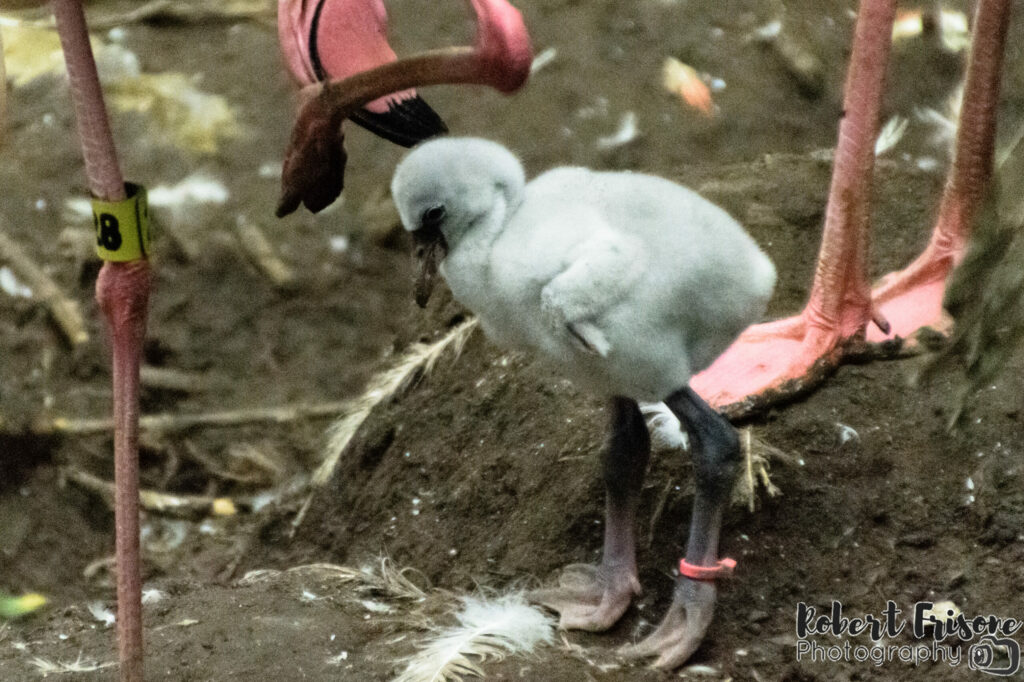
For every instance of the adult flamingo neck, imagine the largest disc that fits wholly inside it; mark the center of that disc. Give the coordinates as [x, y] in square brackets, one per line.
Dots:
[452, 65]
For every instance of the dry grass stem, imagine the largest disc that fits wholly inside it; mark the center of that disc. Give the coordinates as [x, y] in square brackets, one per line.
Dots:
[300, 516]
[187, 506]
[169, 379]
[263, 255]
[167, 423]
[659, 507]
[64, 310]
[383, 578]
[3, 94]
[242, 463]
[756, 458]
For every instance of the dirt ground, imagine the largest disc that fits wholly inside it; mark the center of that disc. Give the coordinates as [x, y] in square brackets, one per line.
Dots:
[484, 475]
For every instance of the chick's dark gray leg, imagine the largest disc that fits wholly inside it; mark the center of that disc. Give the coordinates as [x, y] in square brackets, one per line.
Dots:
[715, 450]
[595, 597]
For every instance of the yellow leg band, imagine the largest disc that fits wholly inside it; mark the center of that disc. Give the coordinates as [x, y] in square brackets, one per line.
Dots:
[122, 227]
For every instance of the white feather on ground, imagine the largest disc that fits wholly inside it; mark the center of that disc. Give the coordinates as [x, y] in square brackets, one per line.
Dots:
[488, 629]
[416, 363]
[47, 667]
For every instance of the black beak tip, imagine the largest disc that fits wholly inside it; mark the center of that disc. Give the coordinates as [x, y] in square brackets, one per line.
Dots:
[405, 123]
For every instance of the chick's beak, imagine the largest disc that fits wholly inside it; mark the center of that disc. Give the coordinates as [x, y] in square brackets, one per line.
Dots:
[430, 250]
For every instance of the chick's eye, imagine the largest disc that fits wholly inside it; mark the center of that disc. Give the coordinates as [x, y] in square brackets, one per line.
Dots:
[433, 216]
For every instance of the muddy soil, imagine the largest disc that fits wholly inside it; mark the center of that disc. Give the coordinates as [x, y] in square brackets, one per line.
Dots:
[484, 475]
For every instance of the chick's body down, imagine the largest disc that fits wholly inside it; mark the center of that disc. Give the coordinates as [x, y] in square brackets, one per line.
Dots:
[627, 283]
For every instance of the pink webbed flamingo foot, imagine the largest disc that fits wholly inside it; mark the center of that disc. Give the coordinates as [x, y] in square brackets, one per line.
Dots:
[779, 359]
[912, 298]
[775, 361]
[771, 362]
[313, 172]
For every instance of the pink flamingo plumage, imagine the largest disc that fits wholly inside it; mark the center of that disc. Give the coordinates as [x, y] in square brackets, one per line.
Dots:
[325, 40]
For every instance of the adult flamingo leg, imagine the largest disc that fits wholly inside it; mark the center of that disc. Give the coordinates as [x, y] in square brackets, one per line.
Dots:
[912, 298]
[787, 356]
[122, 291]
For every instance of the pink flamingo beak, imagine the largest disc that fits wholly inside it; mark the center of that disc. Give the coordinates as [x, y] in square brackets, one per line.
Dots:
[314, 164]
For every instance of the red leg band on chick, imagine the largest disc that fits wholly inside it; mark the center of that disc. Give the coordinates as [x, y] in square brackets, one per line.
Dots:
[723, 568]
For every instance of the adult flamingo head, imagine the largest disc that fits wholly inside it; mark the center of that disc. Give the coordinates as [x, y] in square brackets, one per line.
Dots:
[314, 164]
[324, 40]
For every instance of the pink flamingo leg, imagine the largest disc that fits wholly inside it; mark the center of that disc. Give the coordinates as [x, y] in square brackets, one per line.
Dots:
[912, 298]
[122, 291]
[790, 355]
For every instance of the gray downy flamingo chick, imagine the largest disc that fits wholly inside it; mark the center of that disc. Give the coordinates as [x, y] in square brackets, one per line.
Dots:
[627, 283]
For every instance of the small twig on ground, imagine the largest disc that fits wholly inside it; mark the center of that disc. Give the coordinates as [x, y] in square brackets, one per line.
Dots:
[383, 577]
[107, 563]
[189, 506]
[64, 310]
[586, 656]
[659, 507]
[263, 254]
[174, 379]
[300, 516]
[245, 464]
[748, 470]
[181, 422]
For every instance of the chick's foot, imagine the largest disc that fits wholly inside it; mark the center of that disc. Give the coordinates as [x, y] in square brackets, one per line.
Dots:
[590, 597]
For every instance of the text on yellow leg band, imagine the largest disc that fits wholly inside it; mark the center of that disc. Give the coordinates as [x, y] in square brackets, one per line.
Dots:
[122, 227]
